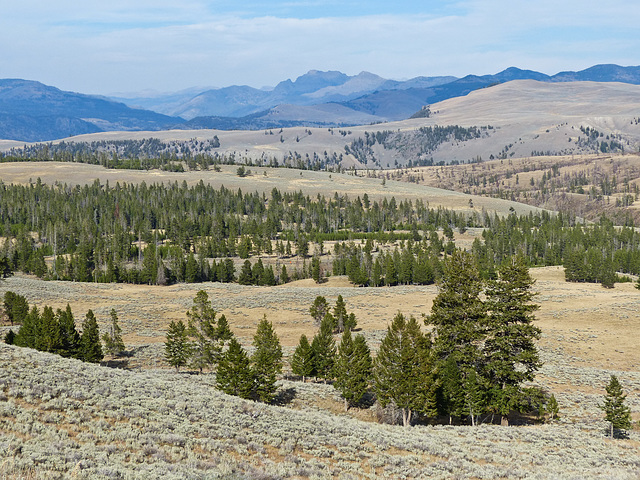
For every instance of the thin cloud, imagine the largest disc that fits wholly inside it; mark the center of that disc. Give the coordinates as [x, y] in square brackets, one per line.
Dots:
[101, 47]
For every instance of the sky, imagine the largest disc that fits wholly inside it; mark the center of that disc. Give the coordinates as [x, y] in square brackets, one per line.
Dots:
[117, 46]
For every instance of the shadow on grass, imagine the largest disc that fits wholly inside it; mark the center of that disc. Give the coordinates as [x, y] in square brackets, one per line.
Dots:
[284, 396]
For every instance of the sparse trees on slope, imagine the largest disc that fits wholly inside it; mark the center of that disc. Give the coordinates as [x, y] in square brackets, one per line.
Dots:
[617, 413]
[266, 361]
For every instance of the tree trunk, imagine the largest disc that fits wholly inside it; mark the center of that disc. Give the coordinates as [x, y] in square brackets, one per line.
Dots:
[406, 417]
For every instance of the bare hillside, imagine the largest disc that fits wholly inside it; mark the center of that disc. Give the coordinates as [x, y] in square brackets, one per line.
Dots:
[528, 118]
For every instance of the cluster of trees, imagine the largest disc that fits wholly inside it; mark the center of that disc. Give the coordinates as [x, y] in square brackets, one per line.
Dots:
[474, 362]
[55, 332]
[207, 342]
[413, 263]
[318, 358]
[416, 144]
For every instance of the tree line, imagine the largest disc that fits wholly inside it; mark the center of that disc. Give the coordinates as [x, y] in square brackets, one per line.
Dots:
[159, 234]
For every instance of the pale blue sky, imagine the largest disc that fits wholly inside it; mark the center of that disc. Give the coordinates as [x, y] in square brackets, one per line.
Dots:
[105, 47]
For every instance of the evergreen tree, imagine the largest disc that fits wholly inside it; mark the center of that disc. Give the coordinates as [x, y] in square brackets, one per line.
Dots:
[69, 336]
[149, 273]
[266, 361]
[47, 337]
[450, 393]
[324, 349]
[552, 407]
[202, 329]
[177, 346]
[403, 370]
[302, 361]
[223, 332]
[617, 413]
[191, 269]
[28, 333]
[351, 322]
[113, 343]
[340, 314]
[246, 275]
[16, 307]
[458, 316]
[257, 273]
[284, 276]
[90, 347]
[234, 375]
[316, 272]
[318, 310]
[352, 368]
[510, 353]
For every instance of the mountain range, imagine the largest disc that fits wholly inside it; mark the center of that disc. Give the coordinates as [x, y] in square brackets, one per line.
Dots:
[31, 111]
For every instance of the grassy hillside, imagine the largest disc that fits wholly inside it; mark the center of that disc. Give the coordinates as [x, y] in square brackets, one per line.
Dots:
[63, 418]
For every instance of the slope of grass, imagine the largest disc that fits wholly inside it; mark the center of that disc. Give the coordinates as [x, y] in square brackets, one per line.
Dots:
[61, 417]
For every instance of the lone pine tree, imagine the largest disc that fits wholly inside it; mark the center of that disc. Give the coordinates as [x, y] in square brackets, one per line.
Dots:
[617, 413]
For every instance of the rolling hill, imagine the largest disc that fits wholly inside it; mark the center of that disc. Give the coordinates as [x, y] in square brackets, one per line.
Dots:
[31, 111]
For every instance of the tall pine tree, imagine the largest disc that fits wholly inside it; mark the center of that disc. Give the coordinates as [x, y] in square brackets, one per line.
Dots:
[617, 413]
[177, 347]
[90, 346]
[234, 375]
[403, 370]
[302, 362]
[510, 354]
[352, 368]
[459, 319]
[266, 361]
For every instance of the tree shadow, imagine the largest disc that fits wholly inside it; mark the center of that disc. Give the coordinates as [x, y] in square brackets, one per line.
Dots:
[284, 396]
